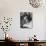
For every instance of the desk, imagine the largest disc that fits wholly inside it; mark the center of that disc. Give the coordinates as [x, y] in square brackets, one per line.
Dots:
[28, 43]
[31, 43]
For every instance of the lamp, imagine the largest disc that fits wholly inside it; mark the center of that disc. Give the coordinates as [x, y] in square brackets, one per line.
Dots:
[35, 3]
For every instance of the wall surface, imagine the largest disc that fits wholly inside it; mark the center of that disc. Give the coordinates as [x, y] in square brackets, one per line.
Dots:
[12, 8]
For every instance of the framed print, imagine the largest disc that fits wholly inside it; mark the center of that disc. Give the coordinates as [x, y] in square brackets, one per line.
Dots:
[26, 20]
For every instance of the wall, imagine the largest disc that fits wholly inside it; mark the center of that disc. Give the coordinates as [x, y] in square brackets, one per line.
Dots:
[12, 8]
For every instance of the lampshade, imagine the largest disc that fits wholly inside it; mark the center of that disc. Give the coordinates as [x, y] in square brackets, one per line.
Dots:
[35, 3]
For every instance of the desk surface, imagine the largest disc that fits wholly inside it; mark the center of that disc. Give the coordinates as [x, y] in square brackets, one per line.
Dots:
[40, 41]
[26, 41]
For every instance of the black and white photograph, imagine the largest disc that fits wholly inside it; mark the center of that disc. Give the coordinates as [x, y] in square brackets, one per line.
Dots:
[26, 20]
